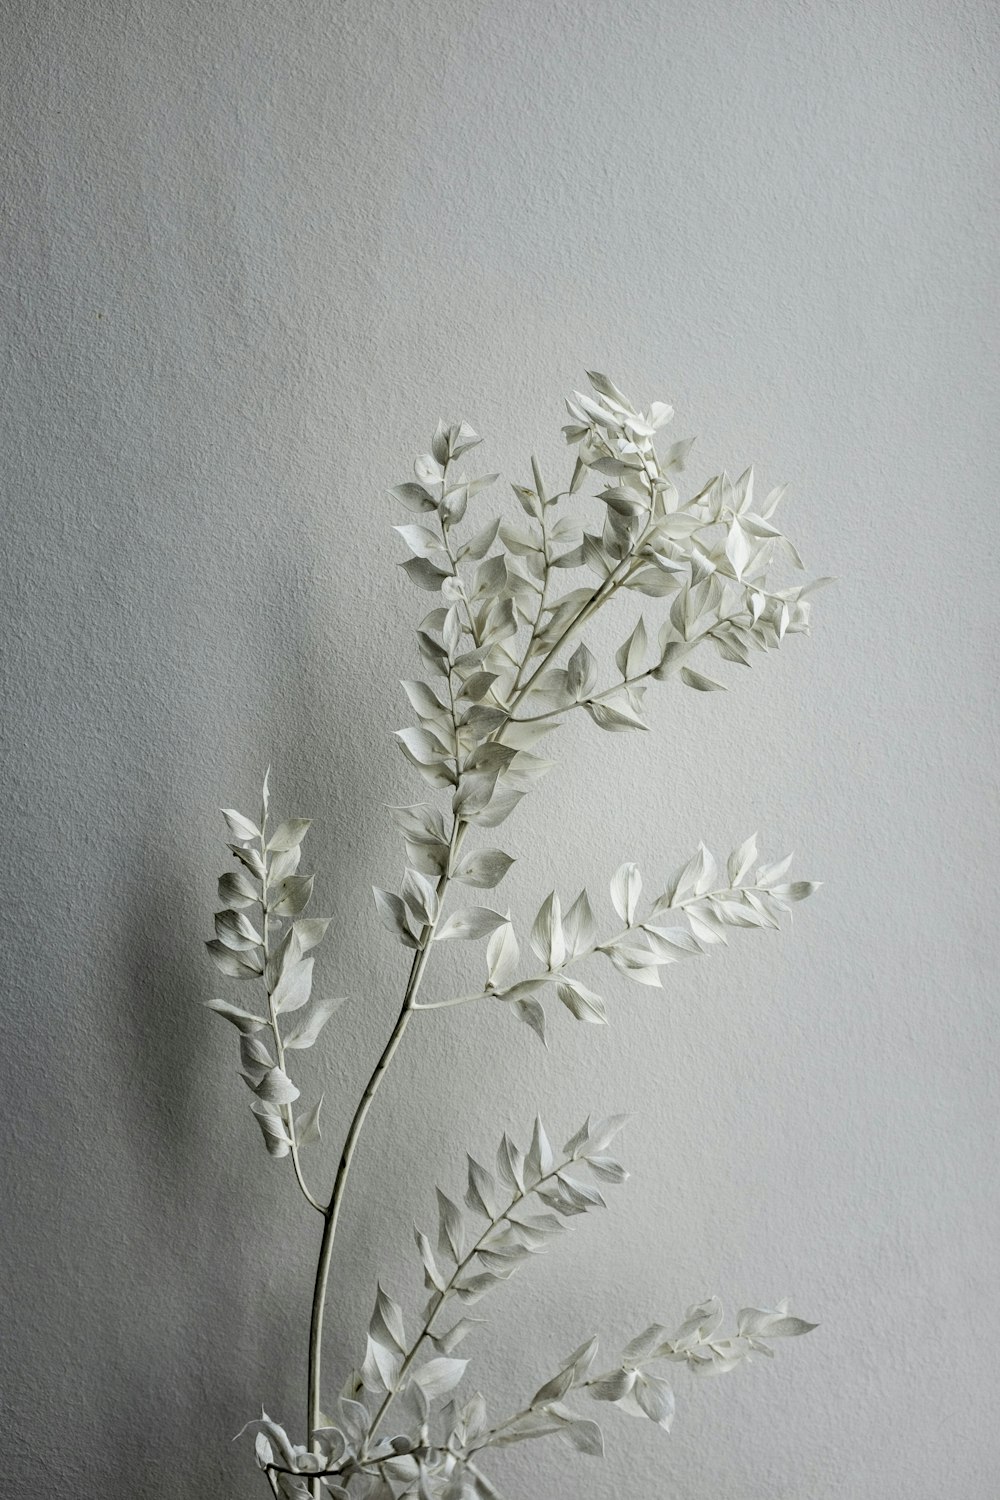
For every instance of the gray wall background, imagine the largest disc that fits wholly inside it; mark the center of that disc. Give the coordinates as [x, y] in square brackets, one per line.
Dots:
[252, 251]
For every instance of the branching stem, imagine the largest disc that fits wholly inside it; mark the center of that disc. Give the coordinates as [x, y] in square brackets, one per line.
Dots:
[332, 1212]
[461, 1267]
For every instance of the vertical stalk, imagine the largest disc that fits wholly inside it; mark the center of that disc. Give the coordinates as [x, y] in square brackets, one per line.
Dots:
[332, 1212]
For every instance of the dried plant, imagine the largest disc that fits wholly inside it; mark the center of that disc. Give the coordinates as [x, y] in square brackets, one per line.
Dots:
[504, 667]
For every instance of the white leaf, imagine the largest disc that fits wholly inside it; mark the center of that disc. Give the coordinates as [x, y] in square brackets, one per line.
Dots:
[292, 895]
[428, 468]
[236, 888]
[422, 572]
[276, 1088]
[615, 714]
[307, 1125]
[644, 1343]
[386, 1323]
[310, 931]
[288, 835]
[439, 1376]
[236, 931]
[451, 1232]
[585, 1436]
[656, 1398]
[607, 1169]
[613, 1385]
[668, 944]
[255, 1058]
[446, 1342]
[532, 1014]
[308, 1030]
[392, 913]
[421, 896]
[579, 927]
[696, 877]
[741, 860]
[769, 875]
[797, 891]
[626, 886]
[481, 1192]
[240, 827]
[603, 1132]
[501, 955]
[582, 1002]
[539, 1161]
[699, 683]
[433, 1277]
[631, 654]
[241, 1019]
[236, 965]
[413, 496]
[294, 986]
[250, 858]
[421, 541]
[738, 548]
[470, 922]
[380, 1371]
[283, 865]
[484, 869]
[701, 1322]
[581, 673]
[272, 1127]
[547, 937]
[510, 1164]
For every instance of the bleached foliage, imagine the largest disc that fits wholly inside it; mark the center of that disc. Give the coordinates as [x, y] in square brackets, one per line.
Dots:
[505, 664]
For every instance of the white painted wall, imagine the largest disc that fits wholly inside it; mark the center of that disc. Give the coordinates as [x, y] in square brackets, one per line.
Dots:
[253, 251]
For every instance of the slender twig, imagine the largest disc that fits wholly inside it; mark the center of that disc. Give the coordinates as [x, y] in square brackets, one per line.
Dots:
[449, 1285]
[332, 1212]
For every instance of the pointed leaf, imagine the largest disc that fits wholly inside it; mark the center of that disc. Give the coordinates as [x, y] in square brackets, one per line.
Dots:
[288, 835]
[240, 827]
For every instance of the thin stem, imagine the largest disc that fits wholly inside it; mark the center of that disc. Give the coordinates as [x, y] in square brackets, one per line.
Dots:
[332, 1212]
[553, 713]
[601, 594]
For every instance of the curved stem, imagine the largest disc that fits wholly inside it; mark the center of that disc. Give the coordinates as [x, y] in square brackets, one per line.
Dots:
[332, 1212]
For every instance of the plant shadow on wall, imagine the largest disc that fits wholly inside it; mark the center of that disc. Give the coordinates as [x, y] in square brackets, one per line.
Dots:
[505, 666]
[161, 1127]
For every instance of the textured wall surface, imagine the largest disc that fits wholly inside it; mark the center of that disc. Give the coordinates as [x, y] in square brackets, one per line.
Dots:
[252, 251]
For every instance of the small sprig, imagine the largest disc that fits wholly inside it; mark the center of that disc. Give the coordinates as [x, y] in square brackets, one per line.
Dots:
[706, 901]
[268, 879]
[632, 1385]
